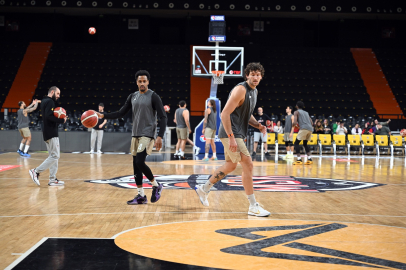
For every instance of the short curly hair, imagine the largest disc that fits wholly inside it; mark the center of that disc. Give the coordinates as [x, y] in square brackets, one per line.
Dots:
[254, 67]
[142, 73]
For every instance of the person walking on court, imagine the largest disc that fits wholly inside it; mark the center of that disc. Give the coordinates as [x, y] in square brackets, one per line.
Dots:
[22, 117]
[146, 106]
[288, 136]
[182, 128]
[302, 118]
[261, 118]
[50, 134]
[97, 132]
[209, 129]
[235, 117]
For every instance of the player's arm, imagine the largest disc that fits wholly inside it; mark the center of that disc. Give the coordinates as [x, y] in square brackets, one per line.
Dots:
[174, 119]
[253, 122]
[185, 115]
[120, 113]
[206, 114]
[31, 108]
[295, 118]
[162, 119]
[292, 130]
[311, 122]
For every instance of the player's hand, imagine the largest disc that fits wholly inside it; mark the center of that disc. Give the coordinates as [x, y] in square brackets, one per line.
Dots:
[100, 126]
[100, 115]
[190, 131]
[158, 143]
[38, 101]
[203, 131]
[65, 119]
[389, 120]
[233, 144]
[291, 135]
[262, 129]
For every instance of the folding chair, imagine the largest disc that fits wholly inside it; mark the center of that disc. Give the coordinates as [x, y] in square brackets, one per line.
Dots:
[325, 141]
[382, 143]
[355, 142]
[367, 140]
[339, 140]
[397, 143]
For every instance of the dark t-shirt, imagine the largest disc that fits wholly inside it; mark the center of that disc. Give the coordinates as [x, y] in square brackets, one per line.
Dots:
[262, 120]
[99, 122]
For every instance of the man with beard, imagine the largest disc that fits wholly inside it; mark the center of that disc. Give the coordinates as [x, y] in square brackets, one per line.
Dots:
[50, 134]
[23, 121]
[145, 105]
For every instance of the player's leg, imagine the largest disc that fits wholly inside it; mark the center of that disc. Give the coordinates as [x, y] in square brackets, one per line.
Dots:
[308, 152]
[182, 146]
[27, 145]
[247, 167]
[177, 147]
[141, 198]
[34, 173]
[297, 150]
[189, 141]
[99, 141]
[213, 148]
[53, 169]
[92, 140]
[207, 149]
[256, 140]
[22, 143]
[265, 143]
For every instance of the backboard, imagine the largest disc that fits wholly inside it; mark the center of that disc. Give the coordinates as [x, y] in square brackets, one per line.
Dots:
[209, 58]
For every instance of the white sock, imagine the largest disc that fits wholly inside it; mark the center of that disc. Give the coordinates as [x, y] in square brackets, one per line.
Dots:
[207, 186]
[214, 154]
[141, 192]
[206, 155]
[299, 158]
[155, 183]
[181, 153]
[21, 146]
[177, 152]
[26, 148]
[251, 199]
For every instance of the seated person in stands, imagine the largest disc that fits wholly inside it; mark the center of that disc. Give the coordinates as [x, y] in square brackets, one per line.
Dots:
[381, 123]
[372, 126]
[382, 130]
[326, 127]
[356, 130]
[318, 129]
[367, 130]
[335, 125]
[341, 130]
[278, 128]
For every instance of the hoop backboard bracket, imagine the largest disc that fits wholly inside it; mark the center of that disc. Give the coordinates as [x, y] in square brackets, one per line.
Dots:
[215, 58]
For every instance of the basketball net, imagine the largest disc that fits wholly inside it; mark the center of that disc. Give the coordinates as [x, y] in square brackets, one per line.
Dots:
[218, 77]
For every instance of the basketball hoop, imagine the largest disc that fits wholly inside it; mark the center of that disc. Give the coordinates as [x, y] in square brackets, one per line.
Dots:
[218, 76]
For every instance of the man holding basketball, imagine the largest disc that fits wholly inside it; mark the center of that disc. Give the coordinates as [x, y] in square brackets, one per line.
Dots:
[146, 105]
[50, 134]
[235, 117]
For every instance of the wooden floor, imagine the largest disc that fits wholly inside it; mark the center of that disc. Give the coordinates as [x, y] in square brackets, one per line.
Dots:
[90, 210]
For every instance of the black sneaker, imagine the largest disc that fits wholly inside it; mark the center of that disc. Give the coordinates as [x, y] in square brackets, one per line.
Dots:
[267, 154]
[253, 155]
[156, 193]
[138, 200]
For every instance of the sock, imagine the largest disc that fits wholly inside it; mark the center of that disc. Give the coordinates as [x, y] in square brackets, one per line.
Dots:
[155, 183]
[206, 155]
[207, 186]
[177, 152]
[26, 149]
[299, 158]
[309, 157]
[214, 154]
[181, 153]
[21, 147]
[251, 199]
[141, 192]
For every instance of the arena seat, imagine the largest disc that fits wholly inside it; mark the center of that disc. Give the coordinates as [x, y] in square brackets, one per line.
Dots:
[325, 142]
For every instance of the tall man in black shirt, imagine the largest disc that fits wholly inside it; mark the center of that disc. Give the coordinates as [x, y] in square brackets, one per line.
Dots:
[261, 118]
[145, 105]
[50, 134]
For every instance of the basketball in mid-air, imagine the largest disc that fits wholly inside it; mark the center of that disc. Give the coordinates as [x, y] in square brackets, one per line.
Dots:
[59, 112]
[89, 118]
[167, 108]
[92, 30]
[403, 132]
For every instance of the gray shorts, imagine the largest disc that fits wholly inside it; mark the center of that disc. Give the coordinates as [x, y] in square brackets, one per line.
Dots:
[287, 138]
[258, 135]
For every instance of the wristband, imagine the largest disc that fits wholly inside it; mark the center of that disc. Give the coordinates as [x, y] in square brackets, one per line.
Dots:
[231, 135]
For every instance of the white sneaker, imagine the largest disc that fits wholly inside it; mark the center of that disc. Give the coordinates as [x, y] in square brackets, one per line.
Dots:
[34, 176]
[290, 156]
[99, 152]
[197, 151]
[91, 151]
[257, 210]
[56, 183]
[202, 195]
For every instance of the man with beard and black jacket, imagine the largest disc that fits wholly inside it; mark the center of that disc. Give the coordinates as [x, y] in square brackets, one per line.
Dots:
[50, 134]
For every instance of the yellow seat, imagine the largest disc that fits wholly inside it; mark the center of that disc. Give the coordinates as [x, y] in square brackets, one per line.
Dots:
[281, 140]
[396, 140]
[355, 140]
[382, 140]
[294, 139]
[325, 139]
[368, 140]
[313, 140]
[271, 138]
[339, 139]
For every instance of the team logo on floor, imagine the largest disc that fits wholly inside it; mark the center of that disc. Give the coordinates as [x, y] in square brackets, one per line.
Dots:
[270, 183]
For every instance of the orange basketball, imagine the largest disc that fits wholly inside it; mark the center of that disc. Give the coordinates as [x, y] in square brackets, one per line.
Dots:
[59, 112]
[89, 118]
[92, 30]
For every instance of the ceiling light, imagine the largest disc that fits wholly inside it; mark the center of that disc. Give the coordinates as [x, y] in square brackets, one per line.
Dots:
[2, 2]
[354, 9]
[171, 5]
[399, 10]
[323, 8]
[216, 6]
[48, 3]
[32, 3]
[63, 3]
[156, 5]
[79, 3]
[232, 6]
[201, 6]
[247, 7]
[125, 4]
[369, 9]
[308, 8]
[186, 5]
[293, 8]
[278, 7]
[338, 8]
[109, 4]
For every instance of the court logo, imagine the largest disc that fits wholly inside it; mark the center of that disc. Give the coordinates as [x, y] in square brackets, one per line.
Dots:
[271, 183]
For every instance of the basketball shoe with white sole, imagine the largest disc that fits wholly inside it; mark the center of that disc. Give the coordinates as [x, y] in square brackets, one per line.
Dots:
[202, 195]
[34, 176]
[257, 210]
[56, 183]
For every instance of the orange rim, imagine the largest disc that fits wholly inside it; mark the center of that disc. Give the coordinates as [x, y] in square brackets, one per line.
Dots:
[218, 73]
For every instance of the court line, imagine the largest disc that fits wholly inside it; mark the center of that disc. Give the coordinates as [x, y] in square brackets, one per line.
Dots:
[25, 254]
[186, 212]
[17, 254]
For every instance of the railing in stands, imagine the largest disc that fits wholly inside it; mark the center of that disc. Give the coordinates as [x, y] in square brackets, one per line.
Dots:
[391, 116]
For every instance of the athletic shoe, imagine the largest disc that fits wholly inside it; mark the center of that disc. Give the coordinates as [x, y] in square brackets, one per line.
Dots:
[253, 155]
[34, 176]
[213, 158]
[197, 151]
[138, 200]
[257, 210]
[267, 154]
[182, 157]
[56, 183]
[290, 156]
[20, 152]
[205, 159]
[91, 151]
[156, 193]
[202, 195]
[298, 162]
[285, 157]
[99, 152]
[26, 155]
[309, 162]
[176, 155]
